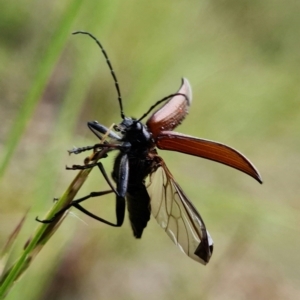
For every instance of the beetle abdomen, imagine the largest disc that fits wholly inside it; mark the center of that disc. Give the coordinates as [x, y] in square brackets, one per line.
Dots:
[138, 205]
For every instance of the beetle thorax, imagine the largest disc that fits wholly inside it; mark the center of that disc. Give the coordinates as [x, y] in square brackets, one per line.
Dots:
[135, 133]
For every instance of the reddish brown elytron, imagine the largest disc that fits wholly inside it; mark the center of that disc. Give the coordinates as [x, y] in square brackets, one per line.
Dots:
[172, 113]
[163, 121]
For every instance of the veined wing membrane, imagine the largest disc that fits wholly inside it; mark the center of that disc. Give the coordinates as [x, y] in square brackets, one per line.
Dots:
[177, 215]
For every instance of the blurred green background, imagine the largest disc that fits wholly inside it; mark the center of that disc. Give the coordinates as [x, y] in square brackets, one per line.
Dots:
[242, 59]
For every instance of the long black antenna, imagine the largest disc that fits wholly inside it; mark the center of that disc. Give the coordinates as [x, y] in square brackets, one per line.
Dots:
[110, 68]
[159, 102]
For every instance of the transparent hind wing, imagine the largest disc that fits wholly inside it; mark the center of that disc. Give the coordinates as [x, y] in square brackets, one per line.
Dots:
[178, 216]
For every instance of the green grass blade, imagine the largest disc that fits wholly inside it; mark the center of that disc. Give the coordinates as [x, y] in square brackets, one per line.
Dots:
[44, 231]
[64, 27]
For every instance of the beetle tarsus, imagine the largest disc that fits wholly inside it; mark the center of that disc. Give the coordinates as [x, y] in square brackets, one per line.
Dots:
[45, 221]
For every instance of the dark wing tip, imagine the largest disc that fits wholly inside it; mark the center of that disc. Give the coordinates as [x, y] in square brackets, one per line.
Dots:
[258, 177]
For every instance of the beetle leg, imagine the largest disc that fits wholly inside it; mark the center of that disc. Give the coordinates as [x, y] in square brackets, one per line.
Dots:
[124, 146]
[95, 126]
[73, 203]
[120, 213]
[120, 192]
[120, 209]
[120, 202]
[102, 170]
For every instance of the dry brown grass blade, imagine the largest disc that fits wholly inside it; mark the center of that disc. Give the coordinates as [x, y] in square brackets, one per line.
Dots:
[9, 244]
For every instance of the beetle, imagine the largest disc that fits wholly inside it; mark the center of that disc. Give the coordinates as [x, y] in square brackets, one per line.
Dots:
[142, 178]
